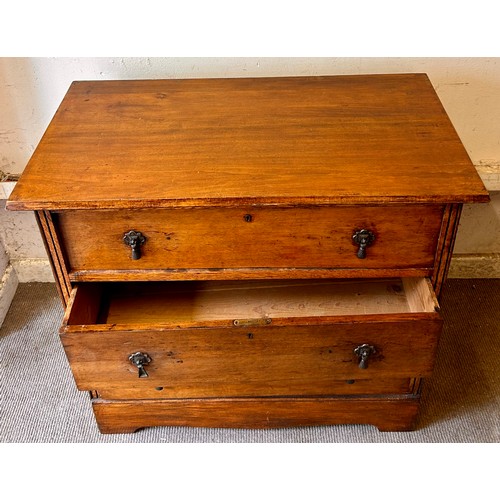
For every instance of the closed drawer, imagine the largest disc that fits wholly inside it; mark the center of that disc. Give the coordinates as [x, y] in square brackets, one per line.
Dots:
[250, 238]
[223, 339]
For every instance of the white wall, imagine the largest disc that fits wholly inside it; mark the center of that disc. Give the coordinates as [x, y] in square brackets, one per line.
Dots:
[32, 88]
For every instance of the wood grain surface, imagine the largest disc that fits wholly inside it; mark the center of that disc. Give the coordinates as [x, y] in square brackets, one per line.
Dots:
[225, 142]
[252, 178]
[388, 414]
[171, 305]
[260, 361]
[220, 238]
[358, 387]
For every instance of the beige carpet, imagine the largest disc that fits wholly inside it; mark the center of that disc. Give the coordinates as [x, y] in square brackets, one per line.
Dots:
[39, 402]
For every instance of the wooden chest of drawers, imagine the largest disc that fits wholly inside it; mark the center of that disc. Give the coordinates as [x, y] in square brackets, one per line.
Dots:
[250, 252]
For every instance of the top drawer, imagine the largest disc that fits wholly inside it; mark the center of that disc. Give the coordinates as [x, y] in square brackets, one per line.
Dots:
[405, 236]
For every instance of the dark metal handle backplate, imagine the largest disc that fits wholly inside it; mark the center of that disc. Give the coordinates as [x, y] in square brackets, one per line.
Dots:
[134, 239]
[363, 238]
[140, 359]
[364, 351]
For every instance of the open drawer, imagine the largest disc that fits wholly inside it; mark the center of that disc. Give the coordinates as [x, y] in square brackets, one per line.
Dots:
[261, 338]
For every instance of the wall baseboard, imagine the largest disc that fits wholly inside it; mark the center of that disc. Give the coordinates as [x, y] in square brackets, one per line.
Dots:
[462, 266]
[490, 175]
[8, 287]
[475, 266]
[31, 270]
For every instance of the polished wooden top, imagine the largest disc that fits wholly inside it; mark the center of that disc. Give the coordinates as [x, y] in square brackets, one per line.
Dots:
[291, 141]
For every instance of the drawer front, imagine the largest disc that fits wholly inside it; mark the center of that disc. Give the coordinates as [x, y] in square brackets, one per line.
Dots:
[261, 361]
[222, 238]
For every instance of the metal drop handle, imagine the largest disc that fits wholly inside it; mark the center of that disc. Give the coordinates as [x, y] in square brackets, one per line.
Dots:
[363, 238]
[134, 239]
[364, 351]
[140, 359]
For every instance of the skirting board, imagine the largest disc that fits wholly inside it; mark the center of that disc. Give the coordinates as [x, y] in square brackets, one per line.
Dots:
[8, 286]
[475, 266]
[31, 270]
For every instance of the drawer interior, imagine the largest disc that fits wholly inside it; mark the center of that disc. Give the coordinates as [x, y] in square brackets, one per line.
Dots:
[209, 303]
